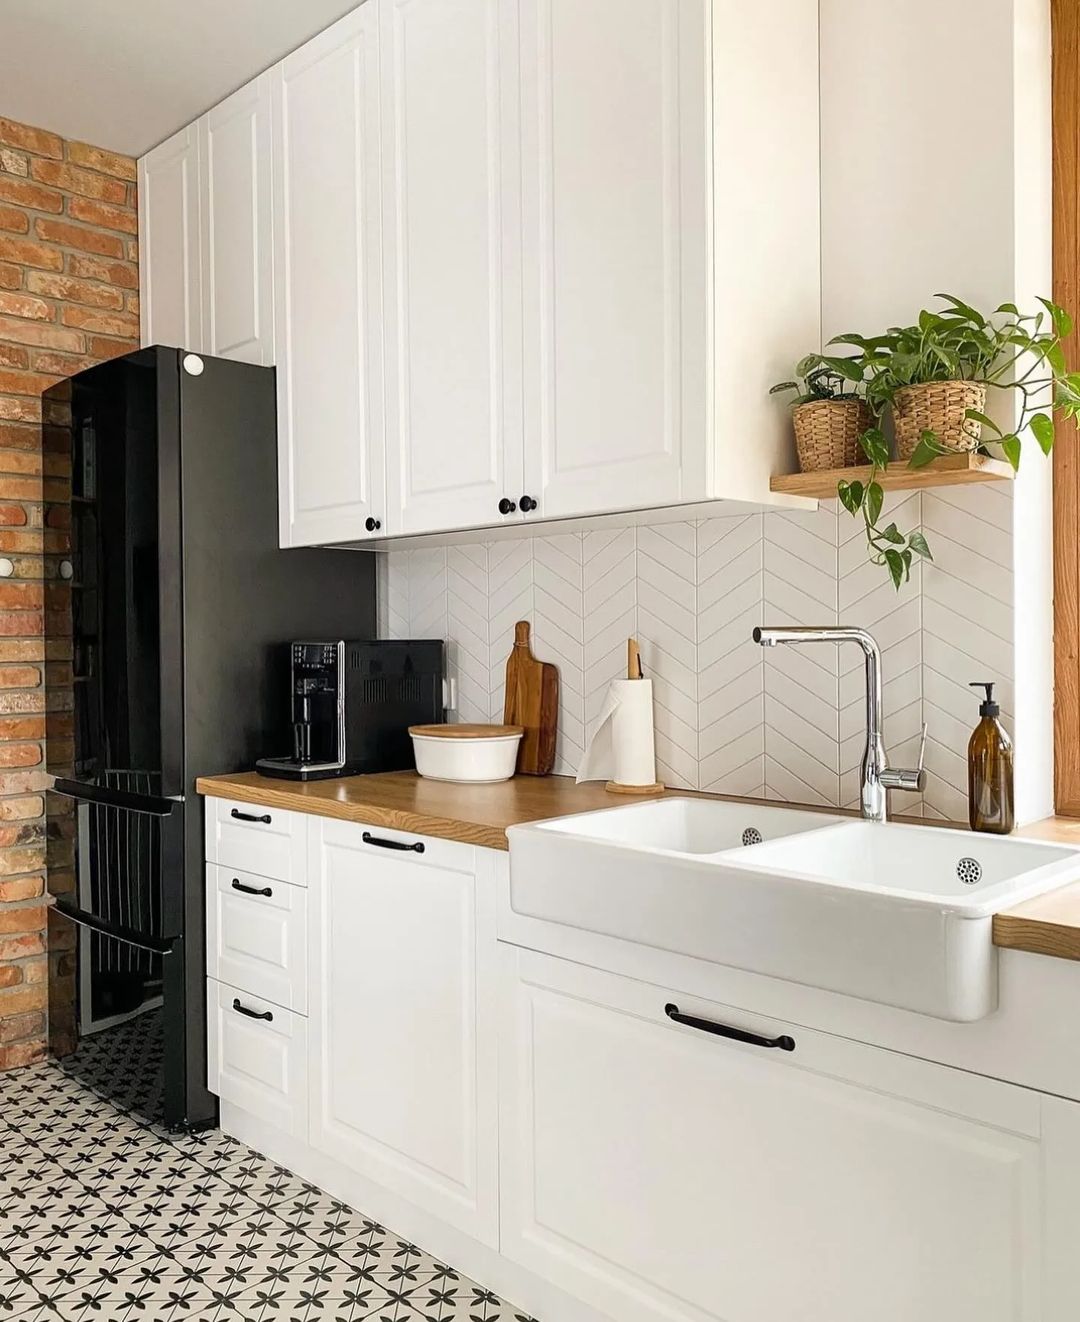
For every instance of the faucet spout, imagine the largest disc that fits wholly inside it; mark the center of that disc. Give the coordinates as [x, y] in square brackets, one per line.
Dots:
[876, 776]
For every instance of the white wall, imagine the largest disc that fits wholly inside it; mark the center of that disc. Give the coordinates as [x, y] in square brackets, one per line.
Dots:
[732, 717]
[935, 122]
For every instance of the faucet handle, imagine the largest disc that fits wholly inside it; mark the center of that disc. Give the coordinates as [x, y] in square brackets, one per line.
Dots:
[914, 781]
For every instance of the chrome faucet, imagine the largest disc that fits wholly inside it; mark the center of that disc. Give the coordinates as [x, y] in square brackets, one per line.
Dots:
[877, 775]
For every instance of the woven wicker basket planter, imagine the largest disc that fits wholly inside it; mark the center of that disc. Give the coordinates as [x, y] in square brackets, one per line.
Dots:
[938, 406]
[827, 433]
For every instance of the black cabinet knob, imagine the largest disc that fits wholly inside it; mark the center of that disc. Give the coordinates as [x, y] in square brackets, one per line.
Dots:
[372, 525]
[527, 504]
[506, 506]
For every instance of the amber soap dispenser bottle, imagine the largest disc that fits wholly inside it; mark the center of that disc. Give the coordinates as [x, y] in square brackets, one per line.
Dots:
[990, 770]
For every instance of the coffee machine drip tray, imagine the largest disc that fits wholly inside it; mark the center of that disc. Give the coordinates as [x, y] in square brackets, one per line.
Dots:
[288, 769]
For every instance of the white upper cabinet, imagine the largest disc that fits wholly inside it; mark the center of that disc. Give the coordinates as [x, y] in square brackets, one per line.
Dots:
[237, 226]
[513, 259]
[170, 276]
[452, 302]
[615, 174]
[327, 285]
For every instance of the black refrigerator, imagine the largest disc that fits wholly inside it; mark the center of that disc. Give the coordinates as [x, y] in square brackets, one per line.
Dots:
[169, 611]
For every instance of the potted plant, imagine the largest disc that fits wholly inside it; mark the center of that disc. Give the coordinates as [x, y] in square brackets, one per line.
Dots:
[829, 416]
[934, 377]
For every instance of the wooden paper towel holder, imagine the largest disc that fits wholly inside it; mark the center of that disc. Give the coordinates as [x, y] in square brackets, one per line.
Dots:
[634, 671]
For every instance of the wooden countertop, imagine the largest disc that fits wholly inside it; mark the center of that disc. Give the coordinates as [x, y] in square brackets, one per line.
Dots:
[404, 801]
[480, 814]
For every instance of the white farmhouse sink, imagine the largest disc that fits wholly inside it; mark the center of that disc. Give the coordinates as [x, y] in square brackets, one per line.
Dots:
[890, 913]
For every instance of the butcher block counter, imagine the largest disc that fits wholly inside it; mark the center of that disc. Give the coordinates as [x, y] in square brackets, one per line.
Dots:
[480, 814]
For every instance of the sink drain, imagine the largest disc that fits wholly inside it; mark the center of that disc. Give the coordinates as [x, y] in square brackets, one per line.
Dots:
[969, 870]
[752, 836]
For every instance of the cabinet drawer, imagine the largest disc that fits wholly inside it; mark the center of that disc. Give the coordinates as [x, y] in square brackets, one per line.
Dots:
[265, 841]
[256, 935]
[257, 1057]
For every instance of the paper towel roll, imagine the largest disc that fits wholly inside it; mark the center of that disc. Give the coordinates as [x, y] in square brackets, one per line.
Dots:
[623, 748]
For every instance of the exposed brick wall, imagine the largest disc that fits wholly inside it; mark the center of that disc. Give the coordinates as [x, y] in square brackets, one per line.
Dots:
[68, 298]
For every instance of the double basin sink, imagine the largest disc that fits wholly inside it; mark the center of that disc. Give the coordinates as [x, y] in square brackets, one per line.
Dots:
[887, 912]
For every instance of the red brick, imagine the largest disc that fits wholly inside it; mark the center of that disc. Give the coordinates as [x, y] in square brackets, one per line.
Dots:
[18, 809]
[101, 323]
[12, 356]
[20, 947]
[10, 276]
[26, 138]
[24, 727]
[23, 193]
[24, 305]
[19, 488]
[103, 214]
[19, 755]
[74, 179]
[13, 220]
[78, 236]
[21, 1026]
[18, 461]
[124, 274]
[37, 970]
[15, 437]
[42, 336]
[61, 364]
[14, 162]
[27, 252]
[19, 677]
[101, 348]
[17, 1055]
[20, 410]
[96, 158]
[25, 383]
[12, 514]
[10, 975]
[74, 290]
[20, 596]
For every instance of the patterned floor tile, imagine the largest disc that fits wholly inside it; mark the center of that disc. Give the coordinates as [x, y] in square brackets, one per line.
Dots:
[104, 1215]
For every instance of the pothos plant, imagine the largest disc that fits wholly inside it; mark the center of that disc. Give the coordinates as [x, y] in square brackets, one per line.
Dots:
[1008, 350]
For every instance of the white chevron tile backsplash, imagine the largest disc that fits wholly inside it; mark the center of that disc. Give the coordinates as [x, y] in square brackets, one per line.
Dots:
[785, 723]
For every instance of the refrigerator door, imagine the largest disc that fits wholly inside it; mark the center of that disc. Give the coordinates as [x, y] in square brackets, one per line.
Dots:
[118, 612]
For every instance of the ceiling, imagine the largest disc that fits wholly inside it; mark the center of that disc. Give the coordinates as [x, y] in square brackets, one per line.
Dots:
[125, 74]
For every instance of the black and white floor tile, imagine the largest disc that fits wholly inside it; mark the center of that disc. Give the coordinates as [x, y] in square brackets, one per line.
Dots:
[104, 1215]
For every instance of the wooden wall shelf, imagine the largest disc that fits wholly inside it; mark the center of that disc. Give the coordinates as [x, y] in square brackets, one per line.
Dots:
[946, 471]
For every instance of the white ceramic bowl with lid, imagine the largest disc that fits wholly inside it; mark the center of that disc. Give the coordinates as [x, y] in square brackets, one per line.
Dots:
[467, 754]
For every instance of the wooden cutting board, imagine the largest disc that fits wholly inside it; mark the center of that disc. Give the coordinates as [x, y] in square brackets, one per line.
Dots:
[532, 701]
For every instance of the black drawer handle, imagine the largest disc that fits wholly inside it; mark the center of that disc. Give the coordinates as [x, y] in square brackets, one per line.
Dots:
[784, 1043]
[369, 839]
[238, 885]
[251, 1014]
[264, 820]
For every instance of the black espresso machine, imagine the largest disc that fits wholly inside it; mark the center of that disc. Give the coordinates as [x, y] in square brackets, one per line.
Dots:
[352, 704]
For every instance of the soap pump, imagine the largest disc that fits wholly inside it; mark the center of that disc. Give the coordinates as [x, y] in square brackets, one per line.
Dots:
[990, 770]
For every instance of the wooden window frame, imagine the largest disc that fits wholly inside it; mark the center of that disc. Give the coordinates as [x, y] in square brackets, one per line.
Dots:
[1065, 15]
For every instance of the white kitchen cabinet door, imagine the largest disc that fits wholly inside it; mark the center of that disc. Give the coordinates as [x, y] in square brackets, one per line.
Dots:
[170, 266]
[615, 204]
[327, 284]
[452, 244]
[657, 1171]
[403, 1081]
[237, 226]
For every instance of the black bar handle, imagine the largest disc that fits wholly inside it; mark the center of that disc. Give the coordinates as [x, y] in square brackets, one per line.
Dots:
[369, 839]
[251, 817]
[131, 936]
[251, 1014]
[784, 1043]
[238, 885]
[83, 792]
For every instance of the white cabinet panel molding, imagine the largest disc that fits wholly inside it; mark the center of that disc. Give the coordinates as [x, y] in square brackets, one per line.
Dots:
[170, 267]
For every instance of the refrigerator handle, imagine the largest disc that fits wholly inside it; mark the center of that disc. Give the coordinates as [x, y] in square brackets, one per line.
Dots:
[129, 935]
[82, 792]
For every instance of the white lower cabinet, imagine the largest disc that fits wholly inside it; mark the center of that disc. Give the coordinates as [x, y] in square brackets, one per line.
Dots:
[257, 1057]
[256, 935]
[403, 1072]
[658, 1171]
